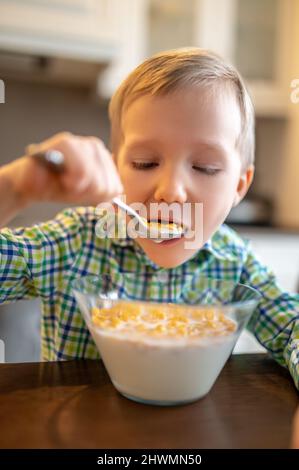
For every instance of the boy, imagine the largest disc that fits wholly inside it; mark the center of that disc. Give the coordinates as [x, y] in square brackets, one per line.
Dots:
[182, 131]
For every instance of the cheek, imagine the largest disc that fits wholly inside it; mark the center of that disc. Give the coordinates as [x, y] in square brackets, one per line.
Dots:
[135, 185]
[218, 199]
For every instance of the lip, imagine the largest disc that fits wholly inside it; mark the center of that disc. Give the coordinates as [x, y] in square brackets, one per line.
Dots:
[171, 242]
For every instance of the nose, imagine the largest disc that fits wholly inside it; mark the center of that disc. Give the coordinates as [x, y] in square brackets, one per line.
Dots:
[171, 187]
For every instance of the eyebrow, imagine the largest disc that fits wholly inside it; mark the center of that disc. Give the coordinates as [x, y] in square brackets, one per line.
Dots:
[143, 142]
[213, 145]
[206, 144]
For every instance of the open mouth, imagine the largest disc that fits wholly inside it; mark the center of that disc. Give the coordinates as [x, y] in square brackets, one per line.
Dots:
[168, 232]
[167, 223]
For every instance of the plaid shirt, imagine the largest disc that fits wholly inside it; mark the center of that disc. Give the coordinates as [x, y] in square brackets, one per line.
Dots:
[43, 261]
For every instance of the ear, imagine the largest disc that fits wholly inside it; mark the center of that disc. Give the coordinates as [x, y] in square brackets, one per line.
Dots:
[244, 184]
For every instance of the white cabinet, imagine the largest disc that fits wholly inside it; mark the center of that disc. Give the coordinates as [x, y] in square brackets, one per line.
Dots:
[79, 29]
[76, 38]
[60, 41]
[131, 24]
[252, 34]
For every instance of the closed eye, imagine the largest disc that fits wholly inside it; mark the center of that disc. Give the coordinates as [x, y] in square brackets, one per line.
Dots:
[206, 170]
[144, 165]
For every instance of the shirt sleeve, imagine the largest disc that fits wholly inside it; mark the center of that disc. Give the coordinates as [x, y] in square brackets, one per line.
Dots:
[275, 322]
[34, 260]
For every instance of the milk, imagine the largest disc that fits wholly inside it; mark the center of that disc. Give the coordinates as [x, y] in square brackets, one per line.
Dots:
[161, 371]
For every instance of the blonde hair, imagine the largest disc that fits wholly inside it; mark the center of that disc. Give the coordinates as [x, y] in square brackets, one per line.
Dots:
[171, 70]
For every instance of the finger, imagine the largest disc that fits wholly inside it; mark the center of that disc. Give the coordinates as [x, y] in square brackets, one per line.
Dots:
[52, 142]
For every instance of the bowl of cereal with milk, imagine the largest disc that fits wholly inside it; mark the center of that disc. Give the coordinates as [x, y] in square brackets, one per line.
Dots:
[164, 352]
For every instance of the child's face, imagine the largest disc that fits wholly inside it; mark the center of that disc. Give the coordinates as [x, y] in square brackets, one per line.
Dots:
[181, 148]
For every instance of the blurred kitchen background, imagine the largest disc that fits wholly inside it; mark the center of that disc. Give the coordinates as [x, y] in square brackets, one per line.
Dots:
[61, 60]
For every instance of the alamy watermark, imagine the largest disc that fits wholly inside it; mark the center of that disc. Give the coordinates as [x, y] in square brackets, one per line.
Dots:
[163, 221]
[294, 96]
[2, 92]
[2, 351]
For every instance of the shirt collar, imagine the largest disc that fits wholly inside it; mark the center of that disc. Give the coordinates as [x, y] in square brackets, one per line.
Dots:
[218, 246]
[141, 255]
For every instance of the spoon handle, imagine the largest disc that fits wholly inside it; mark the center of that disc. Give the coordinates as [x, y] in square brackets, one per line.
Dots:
[53, 159]
[129, 210]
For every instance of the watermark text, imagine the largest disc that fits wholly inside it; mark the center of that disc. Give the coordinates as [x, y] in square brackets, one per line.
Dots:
[2, 92]
[159, 222]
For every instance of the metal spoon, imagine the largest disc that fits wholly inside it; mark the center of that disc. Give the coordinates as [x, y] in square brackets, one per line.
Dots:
[156, 231]
[54, 159]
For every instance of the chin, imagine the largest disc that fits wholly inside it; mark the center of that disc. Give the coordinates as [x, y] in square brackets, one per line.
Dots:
[166, 257]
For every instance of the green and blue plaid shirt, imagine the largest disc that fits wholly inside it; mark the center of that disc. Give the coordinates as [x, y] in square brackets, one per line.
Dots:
[43, 261]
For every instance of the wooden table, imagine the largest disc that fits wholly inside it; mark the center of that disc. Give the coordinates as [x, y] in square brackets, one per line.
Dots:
[73, 404]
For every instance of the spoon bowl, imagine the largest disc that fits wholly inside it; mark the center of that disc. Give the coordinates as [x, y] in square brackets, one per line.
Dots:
[158, 232]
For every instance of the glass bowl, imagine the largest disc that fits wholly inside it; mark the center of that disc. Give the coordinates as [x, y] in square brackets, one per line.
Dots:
[164, 353]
